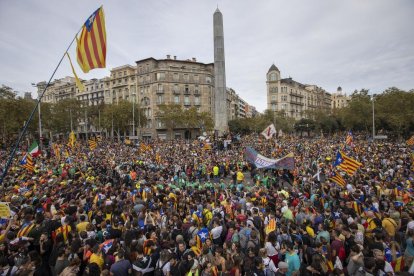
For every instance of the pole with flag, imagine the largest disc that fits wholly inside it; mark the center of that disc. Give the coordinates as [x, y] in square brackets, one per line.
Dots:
[91, 53]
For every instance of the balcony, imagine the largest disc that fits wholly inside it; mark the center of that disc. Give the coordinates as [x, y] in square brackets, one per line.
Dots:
[187, 92]
[273, 101]
[196, 92]
[176, 92]
[296, 103]
[295, 94]
[197, 104]
[187, 103]
[160, 91]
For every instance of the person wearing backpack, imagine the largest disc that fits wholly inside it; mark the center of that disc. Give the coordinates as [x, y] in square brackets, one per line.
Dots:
[162, 268]
[337, 247]
[254, 241]
[269, 267]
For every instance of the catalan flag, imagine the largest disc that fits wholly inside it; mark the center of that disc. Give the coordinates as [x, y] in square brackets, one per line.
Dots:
[92, 144]
[25, 230]
[27, 162]
[349, 139]
[337, 178]
[56, 150]
[410, 141]
[91, 45]
[72, 139]
[271, 226]
[346, 163]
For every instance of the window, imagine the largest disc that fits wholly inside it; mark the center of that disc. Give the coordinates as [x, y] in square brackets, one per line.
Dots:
[160, 89]
[196, 78]
[160, 99]
[176, 99]
[274, 98]
[208, 79]
[196, 91]
[160, 76]
[273, 77]
[197, 100]
[186, 100]
[175, 89]
[175, 77]
[284, 98]
[186, 77]
[186, 90]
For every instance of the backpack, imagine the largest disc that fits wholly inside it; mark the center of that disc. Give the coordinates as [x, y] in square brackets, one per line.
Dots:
[342, 253]
[256, 246]
[158, 269]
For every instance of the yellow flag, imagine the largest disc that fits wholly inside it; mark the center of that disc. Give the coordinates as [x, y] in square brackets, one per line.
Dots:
[79, 84]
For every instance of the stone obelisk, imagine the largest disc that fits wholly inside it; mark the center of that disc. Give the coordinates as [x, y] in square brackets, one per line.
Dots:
[220, 103]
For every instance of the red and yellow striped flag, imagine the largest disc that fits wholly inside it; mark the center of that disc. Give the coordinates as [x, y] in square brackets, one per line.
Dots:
[337, 178]
[25, 230]
[410, 141]
[271, 226]
[91, 48]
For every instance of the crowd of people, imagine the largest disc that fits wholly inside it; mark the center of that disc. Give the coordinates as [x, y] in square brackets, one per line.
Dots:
[183, 208]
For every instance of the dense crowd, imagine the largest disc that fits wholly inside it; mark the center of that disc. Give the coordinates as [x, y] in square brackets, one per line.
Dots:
[183, 208]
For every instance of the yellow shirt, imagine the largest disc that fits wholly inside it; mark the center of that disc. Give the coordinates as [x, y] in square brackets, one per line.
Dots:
[240, 176]
[215, 170]
[81, 226]
[310, 231]
[390, 226]
[97, 259]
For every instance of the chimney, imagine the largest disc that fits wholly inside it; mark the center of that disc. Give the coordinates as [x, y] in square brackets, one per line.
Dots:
[168, 56]
[194, 59]
[175, 57]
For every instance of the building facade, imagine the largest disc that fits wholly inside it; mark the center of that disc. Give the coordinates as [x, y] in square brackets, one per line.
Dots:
[293, 98]
[339, 99]
[171, 81]
[151, 83]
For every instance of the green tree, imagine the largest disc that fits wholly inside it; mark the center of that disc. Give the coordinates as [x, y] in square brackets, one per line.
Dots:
[7, 92]
[118, 117]
[171, 115]
[358, 114]
[65, 113]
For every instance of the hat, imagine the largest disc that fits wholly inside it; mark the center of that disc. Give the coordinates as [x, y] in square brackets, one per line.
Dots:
[282, 265]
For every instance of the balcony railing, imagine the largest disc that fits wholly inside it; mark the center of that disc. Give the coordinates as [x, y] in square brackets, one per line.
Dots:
[296, 103]
[296, 94]
[160, 91]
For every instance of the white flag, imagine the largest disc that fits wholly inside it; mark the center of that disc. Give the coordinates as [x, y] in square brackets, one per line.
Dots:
[269, 131]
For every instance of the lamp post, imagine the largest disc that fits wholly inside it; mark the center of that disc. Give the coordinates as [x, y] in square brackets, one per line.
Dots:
[133, 114]
[373, 117]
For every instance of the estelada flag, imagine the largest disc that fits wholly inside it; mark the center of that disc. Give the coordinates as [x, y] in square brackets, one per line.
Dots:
[91, 45]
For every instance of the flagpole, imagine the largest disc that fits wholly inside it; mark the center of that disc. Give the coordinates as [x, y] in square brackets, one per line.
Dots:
[22, 133]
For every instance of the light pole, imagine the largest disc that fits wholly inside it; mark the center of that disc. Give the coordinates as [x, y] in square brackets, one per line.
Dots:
[40, 118]
[133, 114]
[373, 117]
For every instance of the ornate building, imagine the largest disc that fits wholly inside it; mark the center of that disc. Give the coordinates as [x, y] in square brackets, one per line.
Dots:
[293, 98]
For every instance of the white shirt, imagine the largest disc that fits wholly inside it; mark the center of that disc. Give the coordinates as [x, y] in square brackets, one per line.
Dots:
[216, 232]
[271, 250]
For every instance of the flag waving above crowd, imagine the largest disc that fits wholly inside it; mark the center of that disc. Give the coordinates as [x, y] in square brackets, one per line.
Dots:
[269, 131]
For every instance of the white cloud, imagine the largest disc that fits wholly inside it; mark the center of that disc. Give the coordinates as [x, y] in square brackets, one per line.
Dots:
[354, 44]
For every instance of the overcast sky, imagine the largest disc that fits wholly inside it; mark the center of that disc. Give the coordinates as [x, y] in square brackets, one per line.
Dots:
[354, 43]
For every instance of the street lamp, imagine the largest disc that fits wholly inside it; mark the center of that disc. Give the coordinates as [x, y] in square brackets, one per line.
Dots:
[373, 117]
[133, 114]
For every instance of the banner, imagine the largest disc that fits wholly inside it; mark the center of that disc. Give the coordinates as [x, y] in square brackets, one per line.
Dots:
[260, 161]
[4, 210]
